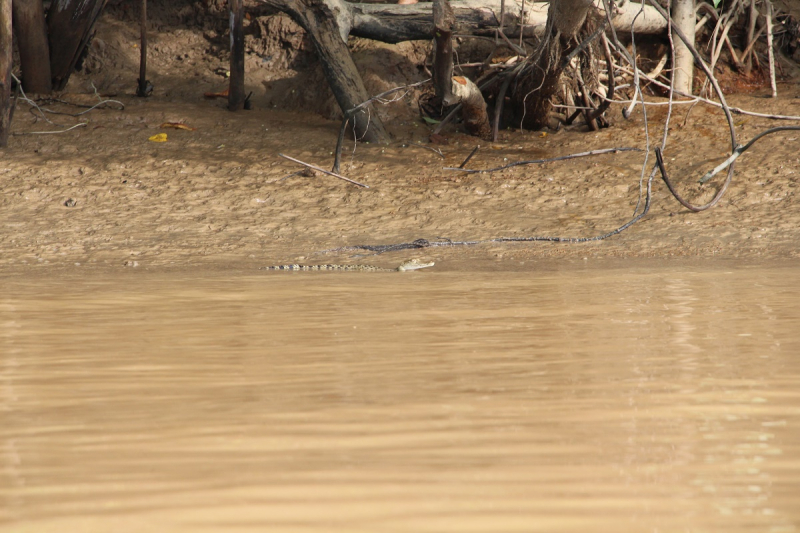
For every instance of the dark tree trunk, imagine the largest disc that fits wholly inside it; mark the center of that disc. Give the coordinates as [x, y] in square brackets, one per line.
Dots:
[5, 71]
[143, 88]
[454, 90]
[34, 54]
[444, 19]
[236, 82]
[327, 24]
[69, 24]
[531, 101]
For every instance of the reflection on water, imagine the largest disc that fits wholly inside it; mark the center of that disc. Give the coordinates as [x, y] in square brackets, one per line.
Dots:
[582, 400]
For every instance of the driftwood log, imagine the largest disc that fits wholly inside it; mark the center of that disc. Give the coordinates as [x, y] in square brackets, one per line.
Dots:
[394, 23]
[330, 22]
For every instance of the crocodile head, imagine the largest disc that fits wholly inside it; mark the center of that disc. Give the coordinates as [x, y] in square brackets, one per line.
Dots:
[414, 264]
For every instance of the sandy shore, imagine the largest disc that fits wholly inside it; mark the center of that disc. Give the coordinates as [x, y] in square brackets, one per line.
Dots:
[104, 196]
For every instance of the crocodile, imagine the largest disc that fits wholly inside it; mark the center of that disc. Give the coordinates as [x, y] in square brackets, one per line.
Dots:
[412, 264]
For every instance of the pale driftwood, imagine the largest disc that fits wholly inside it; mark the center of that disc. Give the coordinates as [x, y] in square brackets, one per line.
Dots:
[394, 23]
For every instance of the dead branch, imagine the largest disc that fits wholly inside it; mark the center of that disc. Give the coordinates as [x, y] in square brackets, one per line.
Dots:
[425, 243]
[734, 110]
[540, 161]
[739, 151]
[318, 169]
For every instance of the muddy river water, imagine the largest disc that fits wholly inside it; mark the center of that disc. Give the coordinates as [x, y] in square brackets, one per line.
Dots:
[580, 399]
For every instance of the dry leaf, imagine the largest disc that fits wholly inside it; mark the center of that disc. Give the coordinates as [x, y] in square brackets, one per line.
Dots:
[223, 94]
[178, 126]
[435, 138]
[158, 138]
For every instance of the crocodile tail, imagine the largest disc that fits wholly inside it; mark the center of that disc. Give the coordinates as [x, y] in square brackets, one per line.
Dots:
[309, 267]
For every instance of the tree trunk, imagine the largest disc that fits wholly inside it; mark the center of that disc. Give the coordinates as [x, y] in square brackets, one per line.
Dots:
[5, 71]
[531, 101]
[450, 90]
[69, 24]
[444, 20]
[34, 54]
[236, 82]
[327, 23]
[683, 16]
[473, 108]
[143, 87]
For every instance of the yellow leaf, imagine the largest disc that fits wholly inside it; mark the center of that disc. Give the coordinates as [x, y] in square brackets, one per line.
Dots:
[177, 126]
[158, 138]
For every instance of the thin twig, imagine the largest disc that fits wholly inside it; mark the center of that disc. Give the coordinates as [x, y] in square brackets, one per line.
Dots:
[43, 110]
[436, 151]
[549, 160]
[586, 42]
[685, 203]
[328, 172]
[88, 108]
[473, 152]
[734, 110]
[753, 41]
[511, 45]
[80, 124]
[350, 113]
[606, 103]
[741, 149]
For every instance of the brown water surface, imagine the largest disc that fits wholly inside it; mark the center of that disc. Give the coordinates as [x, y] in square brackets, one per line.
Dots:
[613, 399]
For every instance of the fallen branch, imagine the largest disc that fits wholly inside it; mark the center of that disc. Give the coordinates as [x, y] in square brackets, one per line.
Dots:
[425, 243]
[695, 99]
[328, 172]
[43, 110]
[740, 150]
[540, 161]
